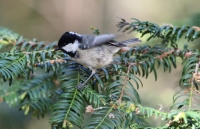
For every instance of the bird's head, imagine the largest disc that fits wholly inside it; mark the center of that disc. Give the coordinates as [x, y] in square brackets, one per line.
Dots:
[69, 43]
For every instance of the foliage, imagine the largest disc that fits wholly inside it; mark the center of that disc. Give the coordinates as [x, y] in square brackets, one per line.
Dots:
[110, 99]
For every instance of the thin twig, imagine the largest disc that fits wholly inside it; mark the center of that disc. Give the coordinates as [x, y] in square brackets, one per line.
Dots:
[37, 51]
[194, 78]
[124, 84]
[51, 61]
[34, 44]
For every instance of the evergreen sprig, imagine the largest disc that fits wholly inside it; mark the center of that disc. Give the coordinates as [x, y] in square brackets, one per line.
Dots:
[110, 99]
[168, 33]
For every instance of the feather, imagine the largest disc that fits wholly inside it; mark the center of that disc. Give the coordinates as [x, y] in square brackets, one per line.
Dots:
[89, 41]
[130, 41]
[98, 40]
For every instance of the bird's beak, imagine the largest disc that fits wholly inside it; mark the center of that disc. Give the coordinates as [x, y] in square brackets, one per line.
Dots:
[57, 49]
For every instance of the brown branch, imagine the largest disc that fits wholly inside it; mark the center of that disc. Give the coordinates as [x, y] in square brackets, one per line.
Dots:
[51, 61]
[124, 84]
[34, 44]
[36, 51]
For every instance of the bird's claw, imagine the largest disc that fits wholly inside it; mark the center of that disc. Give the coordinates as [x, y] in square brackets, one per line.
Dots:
[80, 86]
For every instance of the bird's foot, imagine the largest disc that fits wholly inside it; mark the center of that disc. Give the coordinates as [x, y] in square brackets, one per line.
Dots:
[80, 86]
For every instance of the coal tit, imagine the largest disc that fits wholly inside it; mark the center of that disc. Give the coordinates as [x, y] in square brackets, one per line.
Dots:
[92, 51]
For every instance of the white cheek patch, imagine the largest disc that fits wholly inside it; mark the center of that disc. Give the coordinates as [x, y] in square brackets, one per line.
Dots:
[71, 47]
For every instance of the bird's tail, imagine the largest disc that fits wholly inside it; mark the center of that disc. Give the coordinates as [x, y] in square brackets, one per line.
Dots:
[130, 42]
[126, 43]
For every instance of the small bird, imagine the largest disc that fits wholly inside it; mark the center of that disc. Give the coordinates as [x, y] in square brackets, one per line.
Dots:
[91, 51]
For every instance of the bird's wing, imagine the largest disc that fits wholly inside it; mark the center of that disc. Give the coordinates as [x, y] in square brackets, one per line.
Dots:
[125, 43]
[90, 41]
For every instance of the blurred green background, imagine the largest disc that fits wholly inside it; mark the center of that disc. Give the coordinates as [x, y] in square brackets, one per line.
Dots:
[47, 20]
